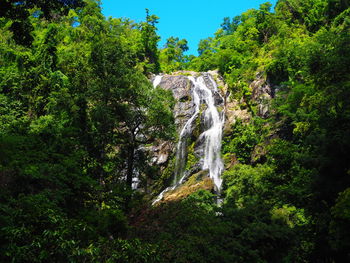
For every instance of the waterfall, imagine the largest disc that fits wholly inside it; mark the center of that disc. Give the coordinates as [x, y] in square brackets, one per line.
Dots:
[181, 153]
[203, 92]
[214, 121]
[157, 80]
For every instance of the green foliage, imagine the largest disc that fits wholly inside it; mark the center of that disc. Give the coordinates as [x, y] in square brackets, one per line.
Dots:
[303, 49]
[191, 158]
[245, 184]
[339, 225]
[196, 230]
[20, 12]
[185, 231]
[76, 109]
[241, 141]
[149, 39]
[171, 56]
[290, 215]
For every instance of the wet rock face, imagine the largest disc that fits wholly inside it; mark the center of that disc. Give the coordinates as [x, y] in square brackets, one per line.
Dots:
[181, 88]
[161, 153]
[199, 119]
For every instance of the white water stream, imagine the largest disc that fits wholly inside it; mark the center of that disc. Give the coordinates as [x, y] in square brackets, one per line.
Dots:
[213, 135]
[157, 80]
[214, 121]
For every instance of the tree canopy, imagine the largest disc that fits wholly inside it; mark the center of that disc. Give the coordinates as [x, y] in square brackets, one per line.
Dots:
[78, 113]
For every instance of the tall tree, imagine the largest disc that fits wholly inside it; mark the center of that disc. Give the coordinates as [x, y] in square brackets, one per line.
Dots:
[150, 43]
[172, 55]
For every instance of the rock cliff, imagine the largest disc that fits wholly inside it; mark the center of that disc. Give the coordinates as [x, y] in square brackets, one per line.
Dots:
[199, 117]
[202, 102]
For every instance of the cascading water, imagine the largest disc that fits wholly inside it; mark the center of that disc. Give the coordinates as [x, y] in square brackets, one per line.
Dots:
[203, 92]
[181, 153]
[214, 121]
[157, 80]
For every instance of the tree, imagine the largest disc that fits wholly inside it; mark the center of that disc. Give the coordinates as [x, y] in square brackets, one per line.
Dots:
[19, 12]
[230, 26]
[204, 45]
[265, 22]
[127, 111]
[172, 55]
[150, 43]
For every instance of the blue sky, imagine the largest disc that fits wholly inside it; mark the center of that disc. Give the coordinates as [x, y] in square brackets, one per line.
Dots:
[189, 19]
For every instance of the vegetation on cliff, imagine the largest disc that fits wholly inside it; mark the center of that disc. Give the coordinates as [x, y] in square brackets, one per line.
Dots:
[77, 108]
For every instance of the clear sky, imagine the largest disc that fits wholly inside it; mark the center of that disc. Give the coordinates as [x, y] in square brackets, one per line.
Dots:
[189, 19]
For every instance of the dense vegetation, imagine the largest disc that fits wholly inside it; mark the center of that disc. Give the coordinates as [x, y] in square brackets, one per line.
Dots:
[76, 106]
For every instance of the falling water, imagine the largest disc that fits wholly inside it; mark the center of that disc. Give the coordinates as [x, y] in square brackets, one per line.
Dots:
[181, 153]
[157, 80]
[186, 131]
[214, 122]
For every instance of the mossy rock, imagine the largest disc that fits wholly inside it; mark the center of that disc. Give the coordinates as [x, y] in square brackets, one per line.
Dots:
[166, 177]
[259, 153]
[197, 129]
[181, 116]
[230, 160]
[191, 158]
[202, 108]
[189, 85]
[197, 177]
[192, 185]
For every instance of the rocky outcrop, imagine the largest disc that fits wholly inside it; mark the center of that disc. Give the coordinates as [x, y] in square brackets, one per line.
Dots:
[181, 88]
[233, 112]
[188, 114]
[200, 105]
[262, 93]
[194, 123]
[161, 152]
[198, 181]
